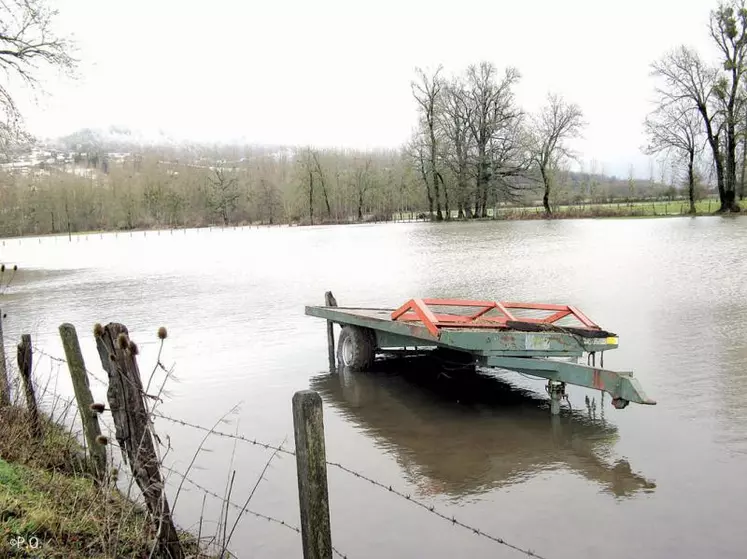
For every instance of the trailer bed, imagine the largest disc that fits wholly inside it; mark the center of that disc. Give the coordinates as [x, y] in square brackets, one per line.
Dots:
[544, 340]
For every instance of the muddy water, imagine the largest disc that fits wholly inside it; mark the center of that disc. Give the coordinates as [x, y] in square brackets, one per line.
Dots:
[661, 481]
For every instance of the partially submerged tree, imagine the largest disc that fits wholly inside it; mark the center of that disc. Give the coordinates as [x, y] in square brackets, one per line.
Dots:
[675, 129]
[427, 91]
[556, 123]
[28, 43]
[455, 115]
[494, 126]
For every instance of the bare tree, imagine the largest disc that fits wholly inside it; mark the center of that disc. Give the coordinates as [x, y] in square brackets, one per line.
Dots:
[362, 183]
[269, 201]
[455, 116]
[320, 172]
[676, 129]
[689, 80]
[427, 93]
[306, 179]
[224, 194]
[556, 123]
[417, 151]
[728, 28]
[716, 92]
[27, 43]
[493, 127]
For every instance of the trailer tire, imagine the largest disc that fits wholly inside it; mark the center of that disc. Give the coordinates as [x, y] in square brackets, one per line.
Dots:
[356, 348]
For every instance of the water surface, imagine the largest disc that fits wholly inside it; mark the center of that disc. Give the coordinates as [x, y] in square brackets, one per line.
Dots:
[648, 481]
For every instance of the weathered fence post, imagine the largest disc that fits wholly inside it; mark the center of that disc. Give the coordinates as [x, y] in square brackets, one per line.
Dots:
[24, 368]
[4, 381]
[311, 463]
[83, 396]
[330, 301]
[132, 430]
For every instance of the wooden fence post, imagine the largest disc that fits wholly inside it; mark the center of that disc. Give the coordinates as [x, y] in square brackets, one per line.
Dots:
[311, 464]
[24, 367]
[132, 430]
[83, 396]
[4, 381]
[330, 301]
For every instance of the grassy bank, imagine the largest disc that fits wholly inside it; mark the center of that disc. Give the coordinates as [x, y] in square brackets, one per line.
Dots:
[576, 211]
[579, 211]
[50, 506]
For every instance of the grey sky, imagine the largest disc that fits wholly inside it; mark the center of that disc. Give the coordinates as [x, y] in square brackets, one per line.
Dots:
[337, 73]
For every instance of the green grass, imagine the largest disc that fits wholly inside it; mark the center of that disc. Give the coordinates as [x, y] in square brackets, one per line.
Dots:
[614, 210]
[47, 494]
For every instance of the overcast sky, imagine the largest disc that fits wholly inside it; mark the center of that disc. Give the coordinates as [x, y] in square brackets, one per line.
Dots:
[337, 72]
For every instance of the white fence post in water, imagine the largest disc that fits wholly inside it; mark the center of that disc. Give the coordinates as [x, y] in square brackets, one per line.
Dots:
[311, 463]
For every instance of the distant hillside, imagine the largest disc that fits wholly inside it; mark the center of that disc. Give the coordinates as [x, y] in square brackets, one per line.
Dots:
[123, 139]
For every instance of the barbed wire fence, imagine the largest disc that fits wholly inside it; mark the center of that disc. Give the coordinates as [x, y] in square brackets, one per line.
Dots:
[50, 393]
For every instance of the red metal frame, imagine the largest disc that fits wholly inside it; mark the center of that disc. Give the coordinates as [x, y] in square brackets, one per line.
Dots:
[418, 310]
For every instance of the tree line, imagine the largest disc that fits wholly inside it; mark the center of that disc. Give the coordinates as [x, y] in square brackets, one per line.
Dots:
[305, 186]
[167, 189]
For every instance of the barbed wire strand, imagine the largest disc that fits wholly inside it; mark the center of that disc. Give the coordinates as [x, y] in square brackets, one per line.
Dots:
[288, 525]
[245, 511]
[62, 360]
[430, 508]
[280, 450]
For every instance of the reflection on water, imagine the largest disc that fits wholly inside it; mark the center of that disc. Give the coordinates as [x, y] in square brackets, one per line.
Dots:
[462, 433]
[233, 302]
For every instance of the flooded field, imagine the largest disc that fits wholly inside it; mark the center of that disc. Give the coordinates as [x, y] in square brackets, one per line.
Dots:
[647, 481]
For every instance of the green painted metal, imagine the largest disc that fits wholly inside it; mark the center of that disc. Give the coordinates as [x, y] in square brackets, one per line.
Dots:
[525, 352]
[387, 340]
[618, 384]
[391, 333]
[378, 319]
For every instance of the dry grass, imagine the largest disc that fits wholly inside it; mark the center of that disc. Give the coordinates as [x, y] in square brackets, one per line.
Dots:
[57, 450]
[46, 492]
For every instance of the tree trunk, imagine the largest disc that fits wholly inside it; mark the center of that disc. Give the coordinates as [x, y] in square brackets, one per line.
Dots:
[428, 192]
[447, 208]
[691, 182]
[744, 164]
[714, 142]
[546, 197]
[484, 203]
[311, 198]
[436, 190]
[326, 198]
[729, 204]
[434, 170]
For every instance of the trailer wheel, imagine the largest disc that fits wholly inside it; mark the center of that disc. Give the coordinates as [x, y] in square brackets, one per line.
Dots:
[620, 403]
[356, 348]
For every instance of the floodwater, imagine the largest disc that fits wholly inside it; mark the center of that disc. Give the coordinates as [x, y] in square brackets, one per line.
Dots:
[648, 481]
